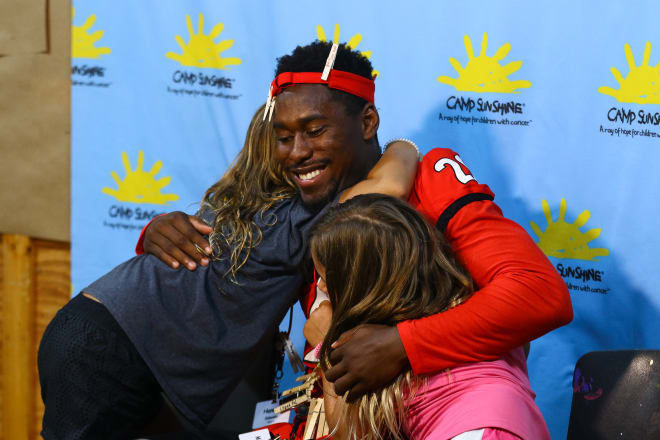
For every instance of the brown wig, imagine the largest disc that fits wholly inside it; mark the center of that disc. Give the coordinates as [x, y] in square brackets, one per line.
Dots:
[384, 264]
[253, 184]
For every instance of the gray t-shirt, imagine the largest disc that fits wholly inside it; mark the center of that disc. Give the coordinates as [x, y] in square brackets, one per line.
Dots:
[198, 331]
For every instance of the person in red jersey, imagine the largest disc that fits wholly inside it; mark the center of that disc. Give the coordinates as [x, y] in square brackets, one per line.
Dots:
[326, 141]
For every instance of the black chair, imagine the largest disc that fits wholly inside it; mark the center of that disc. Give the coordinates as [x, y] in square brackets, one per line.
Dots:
[616, 395]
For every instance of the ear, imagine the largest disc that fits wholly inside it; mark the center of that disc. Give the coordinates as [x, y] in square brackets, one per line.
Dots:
[370, 121]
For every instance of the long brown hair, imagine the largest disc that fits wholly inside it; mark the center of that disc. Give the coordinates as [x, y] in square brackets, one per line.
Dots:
[384, 264]
[253, 184]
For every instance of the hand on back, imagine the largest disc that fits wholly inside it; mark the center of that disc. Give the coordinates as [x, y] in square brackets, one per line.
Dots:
[366, 359]
[177, 239]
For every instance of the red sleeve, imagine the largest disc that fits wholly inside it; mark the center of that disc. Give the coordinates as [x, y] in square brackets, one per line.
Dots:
[139, 247]
[520, 296]
[308, 296]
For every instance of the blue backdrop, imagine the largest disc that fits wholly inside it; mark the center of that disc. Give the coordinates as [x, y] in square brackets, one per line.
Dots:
[555, 107]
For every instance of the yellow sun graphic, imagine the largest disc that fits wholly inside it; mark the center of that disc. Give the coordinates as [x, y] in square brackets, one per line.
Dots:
[352, 42]
[565, 240]
[642, 85]
[82, 43]
[201, 50]
[483, 73]
[140, 186]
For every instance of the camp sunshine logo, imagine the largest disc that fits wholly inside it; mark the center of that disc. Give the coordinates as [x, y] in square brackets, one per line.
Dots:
[564, 240]
[202, 52]
[83, 43]
[140, 186]
[484, 74]
[352, 43]
[640, 86]
[137, 187]
[83, 46]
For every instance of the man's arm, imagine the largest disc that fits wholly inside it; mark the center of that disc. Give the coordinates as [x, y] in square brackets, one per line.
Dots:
[520, 295]
[522, 298]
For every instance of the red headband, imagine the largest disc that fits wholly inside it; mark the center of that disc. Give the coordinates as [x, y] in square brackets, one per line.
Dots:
[337, 79]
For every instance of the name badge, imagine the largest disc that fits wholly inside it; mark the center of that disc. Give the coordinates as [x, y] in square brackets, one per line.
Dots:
[264, 415]
[262, 434]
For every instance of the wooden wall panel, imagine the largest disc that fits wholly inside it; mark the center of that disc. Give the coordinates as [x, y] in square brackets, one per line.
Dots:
[52, 289]
[17, 336]
[1, 337]
[34, 284]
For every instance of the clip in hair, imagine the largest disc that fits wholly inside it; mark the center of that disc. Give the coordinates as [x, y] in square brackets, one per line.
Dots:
[272, 107]
[269, 102]
[330, 61]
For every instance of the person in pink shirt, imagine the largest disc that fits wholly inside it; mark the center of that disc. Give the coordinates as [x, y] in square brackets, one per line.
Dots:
[380, 262]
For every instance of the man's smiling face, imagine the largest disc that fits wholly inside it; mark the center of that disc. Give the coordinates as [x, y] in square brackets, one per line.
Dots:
[321, 147]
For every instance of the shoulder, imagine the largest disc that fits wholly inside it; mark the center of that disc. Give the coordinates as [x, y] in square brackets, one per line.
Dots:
[445, 164]
[444, 184]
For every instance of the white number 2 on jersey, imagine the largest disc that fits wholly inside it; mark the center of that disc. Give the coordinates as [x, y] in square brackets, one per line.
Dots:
[458, 171]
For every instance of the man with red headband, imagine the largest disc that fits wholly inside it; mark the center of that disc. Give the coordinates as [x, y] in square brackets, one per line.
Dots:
[326, 125]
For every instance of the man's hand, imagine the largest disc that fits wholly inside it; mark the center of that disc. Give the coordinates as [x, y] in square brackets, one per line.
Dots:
[318, 324]
[172, 238]
[366, 358]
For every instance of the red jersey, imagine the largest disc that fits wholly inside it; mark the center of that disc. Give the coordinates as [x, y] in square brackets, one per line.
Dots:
[520, 296]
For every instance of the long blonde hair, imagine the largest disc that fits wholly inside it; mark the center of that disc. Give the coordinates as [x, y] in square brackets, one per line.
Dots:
[384, 264]
[253, 184]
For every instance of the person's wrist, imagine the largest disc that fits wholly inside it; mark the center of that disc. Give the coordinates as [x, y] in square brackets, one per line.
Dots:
[397, 347]
[407, 141]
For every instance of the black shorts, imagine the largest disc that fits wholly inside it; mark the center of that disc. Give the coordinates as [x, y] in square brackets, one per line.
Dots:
[94, 384]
